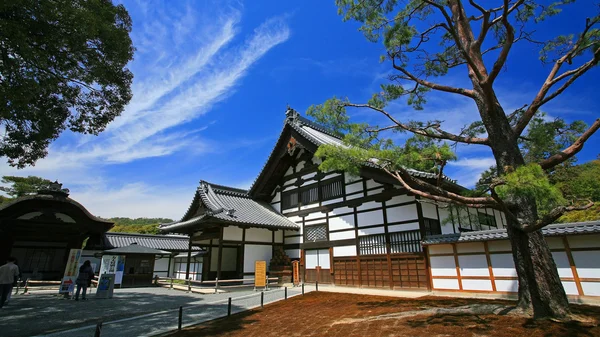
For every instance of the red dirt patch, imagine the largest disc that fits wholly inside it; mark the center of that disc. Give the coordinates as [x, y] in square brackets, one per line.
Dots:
[314, 314]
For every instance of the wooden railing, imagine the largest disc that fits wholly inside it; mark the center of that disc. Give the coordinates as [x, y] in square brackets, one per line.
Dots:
[215, 284]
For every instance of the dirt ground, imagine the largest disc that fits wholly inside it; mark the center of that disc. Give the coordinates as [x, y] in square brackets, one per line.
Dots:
[335, 314]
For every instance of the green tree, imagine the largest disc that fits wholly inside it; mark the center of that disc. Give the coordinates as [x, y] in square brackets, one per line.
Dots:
[425, 39]
[138, 225]
[21, 186]
[62, 65]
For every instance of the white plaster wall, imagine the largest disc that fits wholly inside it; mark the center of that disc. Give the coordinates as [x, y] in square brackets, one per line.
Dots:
[370, 218]
[440, 249]
[445, 284]
[253, 253]
[314, 215]
[587, 263]
[371, 231]
[402, 213]
[341, 210]
[553, 243]
[313, 205]
[289, 171]
[584, 241]
[228, 261]
[403, 227]
[470, 247]
[442, 266]
[315, 222]
[368, 205]
[372, 183]
[279, 235]
[591, 288]
[344, 251]
[473, 265]
[300, 166]
[375, 191]
[332, 201]
[477, 284]
[295, 239]
[276, 197]
[309, 175]
[570, 288]
[399, 199]
[429, 210]
[562, 264]
[295, 219]
[355, 187]
[232, 233]
[293, 253]
[277, 206]
[259, 235]
[342, 222]
[507, 285]
[161, 266]
[499, 246]
[342, 235]
[503, 265]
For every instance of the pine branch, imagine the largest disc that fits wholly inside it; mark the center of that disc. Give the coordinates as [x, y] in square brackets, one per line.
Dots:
[572, 150]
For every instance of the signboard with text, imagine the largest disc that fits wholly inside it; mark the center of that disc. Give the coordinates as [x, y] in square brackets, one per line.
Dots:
[113, 264]
[71, 270]
[260, 274]
[106, 286]
[296, 272]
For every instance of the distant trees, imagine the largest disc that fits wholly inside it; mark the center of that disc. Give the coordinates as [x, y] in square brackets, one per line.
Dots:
[21, 186]
[137, 225]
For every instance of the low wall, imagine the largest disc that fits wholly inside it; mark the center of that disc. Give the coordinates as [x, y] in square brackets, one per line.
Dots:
[488, 266]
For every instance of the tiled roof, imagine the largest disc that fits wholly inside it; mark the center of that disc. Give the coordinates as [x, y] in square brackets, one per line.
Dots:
[232, 205]
[134, 248]
[162, 242]
[589, 227]
[320, 135]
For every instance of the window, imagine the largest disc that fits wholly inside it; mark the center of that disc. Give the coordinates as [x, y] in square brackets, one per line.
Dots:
[289, 199]
[432, 227]
[315, 233]
[310, 194]
[487, 220]
[372, 244]
[406, 242]
[332, 188]
[327, 190]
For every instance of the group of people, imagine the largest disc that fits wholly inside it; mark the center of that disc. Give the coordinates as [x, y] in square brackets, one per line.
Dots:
[10, 274]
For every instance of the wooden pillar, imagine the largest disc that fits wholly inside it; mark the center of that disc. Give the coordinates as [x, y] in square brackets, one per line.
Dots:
[220, 253]
[189, 257]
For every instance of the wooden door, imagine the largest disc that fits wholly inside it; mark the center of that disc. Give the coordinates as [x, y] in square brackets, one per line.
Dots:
[317, 266]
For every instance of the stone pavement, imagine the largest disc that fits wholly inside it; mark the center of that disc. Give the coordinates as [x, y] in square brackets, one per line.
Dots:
[131, 312]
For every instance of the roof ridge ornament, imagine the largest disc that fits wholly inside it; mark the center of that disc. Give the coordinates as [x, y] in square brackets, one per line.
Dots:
[291, 114]
[56, 189]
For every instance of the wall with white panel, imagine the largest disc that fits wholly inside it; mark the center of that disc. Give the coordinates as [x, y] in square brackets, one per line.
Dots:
[489, 266]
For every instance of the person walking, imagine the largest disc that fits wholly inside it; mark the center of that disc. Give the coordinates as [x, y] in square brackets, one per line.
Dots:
[84, 279]
[8, 274]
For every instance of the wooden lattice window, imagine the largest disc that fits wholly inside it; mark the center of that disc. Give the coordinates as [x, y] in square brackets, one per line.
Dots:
[406, 242]
[310, 194]
[332, 188]
[289, 199]
[372, 244]
[315, 233]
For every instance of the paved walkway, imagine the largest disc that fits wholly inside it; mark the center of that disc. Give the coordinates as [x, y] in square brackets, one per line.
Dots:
[131, 312]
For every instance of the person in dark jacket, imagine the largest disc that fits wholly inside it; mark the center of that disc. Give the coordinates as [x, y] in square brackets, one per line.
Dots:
[84, 280]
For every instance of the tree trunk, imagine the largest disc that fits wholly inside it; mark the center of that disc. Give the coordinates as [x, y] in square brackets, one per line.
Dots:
[540, 289]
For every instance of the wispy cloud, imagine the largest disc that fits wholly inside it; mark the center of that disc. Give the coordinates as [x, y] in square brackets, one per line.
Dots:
[188, 59]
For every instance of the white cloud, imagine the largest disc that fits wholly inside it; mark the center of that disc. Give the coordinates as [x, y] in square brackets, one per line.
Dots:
[467, 171]
[187, 60]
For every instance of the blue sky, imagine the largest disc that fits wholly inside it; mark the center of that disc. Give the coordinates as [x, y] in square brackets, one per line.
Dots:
[212, 82]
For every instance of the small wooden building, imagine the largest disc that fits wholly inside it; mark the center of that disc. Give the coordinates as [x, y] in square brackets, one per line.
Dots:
[139, 264]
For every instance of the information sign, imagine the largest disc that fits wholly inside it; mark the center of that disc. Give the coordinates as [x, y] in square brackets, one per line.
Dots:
[260, 274]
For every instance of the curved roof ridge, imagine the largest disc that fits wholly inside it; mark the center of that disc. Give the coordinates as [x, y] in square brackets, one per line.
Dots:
[226, 189]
